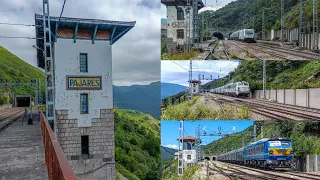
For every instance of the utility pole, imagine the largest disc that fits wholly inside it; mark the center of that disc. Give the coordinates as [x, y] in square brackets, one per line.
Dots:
[188, 24]
[264, 78]
[263, 26]
[180, 149]
[198, 144]
[302, 24]
[195, 21]
[255, 132]
[315, 25]
[282, 20]
[190, 81]
[49, 66]
[242, 140]
[261, 131]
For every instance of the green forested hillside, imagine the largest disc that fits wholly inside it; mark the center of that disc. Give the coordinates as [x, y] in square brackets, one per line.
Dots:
[167, 153]
[137, 138]
[280, 75]
[303, 134]
[248, 14]
[13, 69]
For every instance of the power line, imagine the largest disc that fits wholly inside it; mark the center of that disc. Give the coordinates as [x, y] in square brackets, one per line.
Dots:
[180, 65]
[62, 9]
[11, 24]
[13, 37]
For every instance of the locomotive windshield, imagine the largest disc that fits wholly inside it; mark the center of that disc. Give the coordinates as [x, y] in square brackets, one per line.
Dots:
[249, 32]
[279, 143]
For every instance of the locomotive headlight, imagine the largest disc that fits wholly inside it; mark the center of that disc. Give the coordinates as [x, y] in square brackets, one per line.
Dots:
[270, 153]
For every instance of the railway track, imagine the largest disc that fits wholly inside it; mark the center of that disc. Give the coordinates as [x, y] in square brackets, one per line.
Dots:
[226, 51]
[211, 50]
[255, 48]
[271, 174]
[271, 110]
[8, 117]
[303, 54]
[245, 50]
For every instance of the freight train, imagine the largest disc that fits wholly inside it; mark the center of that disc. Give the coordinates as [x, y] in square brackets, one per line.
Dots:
[266, 153]
[233, 89]
[246, 35]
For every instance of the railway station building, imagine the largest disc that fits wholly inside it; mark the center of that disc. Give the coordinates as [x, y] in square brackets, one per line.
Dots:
[189, 152]
[176, 21]
[82, 61]
[195, 84]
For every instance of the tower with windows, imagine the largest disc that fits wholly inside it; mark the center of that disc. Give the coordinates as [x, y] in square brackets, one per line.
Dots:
[189, 152]
[176, 19]
[82, 68]
[195, 84]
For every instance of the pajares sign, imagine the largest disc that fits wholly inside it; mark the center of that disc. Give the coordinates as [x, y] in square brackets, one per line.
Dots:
[84, 83]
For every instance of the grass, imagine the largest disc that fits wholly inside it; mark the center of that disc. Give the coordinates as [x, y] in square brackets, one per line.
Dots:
[249, 55]
[297, 78]
[13, 69]
[180, 56]
[192, 111]
[232, 55]
[171, 172]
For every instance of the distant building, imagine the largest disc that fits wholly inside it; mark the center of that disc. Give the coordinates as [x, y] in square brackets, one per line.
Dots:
[189, 150]
[176, 20]
[176, 154]
[195, 86]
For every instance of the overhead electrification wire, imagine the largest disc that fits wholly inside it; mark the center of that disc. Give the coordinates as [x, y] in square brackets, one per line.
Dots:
[62, 9]
[12, 37]
[13, 24]
[180, 65]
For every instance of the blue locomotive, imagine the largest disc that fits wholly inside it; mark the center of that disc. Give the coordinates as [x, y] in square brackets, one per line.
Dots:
[268, 153]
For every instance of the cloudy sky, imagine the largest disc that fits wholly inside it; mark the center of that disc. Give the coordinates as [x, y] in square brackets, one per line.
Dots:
[136, 56]
[212, 3]
[177, 71]
[170, 131]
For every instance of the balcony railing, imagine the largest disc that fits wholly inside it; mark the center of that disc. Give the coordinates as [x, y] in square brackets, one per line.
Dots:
[57, 163]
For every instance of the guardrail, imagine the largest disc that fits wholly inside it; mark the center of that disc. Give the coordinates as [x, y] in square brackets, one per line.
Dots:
[57, 163]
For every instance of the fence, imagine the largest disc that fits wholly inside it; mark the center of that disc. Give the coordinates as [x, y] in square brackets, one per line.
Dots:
[57, 163]
[311, 163]
[5, 106]
[309, 98]
[291, 35]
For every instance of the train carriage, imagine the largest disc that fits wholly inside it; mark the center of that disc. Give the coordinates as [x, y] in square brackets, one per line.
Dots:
[268, 152]
[233, 89]
[246, 35]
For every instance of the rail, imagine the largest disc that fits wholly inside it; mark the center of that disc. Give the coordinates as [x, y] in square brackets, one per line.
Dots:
[57, 163]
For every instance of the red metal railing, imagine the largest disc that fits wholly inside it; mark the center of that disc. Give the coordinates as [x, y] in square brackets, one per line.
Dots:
[57, 163]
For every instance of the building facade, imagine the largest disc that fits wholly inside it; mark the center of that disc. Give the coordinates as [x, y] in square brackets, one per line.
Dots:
[189, 152]
[176, 20]
[84, 92]
[195, 84]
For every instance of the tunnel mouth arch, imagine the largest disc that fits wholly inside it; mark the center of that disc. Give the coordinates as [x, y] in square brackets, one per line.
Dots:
[218, 35]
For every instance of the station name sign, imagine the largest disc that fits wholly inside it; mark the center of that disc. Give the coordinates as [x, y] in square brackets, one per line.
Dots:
[84, 83]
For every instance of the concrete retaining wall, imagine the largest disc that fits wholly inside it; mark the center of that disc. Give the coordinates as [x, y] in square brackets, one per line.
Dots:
[291, 35]
[300, 97]
[5, 106]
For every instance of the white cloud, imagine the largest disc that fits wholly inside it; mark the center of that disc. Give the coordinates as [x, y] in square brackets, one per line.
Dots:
[172, 146]
[136, 56]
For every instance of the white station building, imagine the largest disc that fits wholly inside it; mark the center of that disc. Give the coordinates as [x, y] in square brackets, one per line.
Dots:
[82, 57]
[189, 151]
[176, 19]
[195, 86]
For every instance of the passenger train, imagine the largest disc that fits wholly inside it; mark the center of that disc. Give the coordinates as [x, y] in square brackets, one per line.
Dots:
[233, 89]
[246, 35]
[267, 153]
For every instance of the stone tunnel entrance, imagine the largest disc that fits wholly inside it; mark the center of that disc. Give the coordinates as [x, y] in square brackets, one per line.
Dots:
[23, 101]
[218, 35]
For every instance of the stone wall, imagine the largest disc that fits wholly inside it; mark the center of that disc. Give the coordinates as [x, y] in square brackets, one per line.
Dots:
[100, 163]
